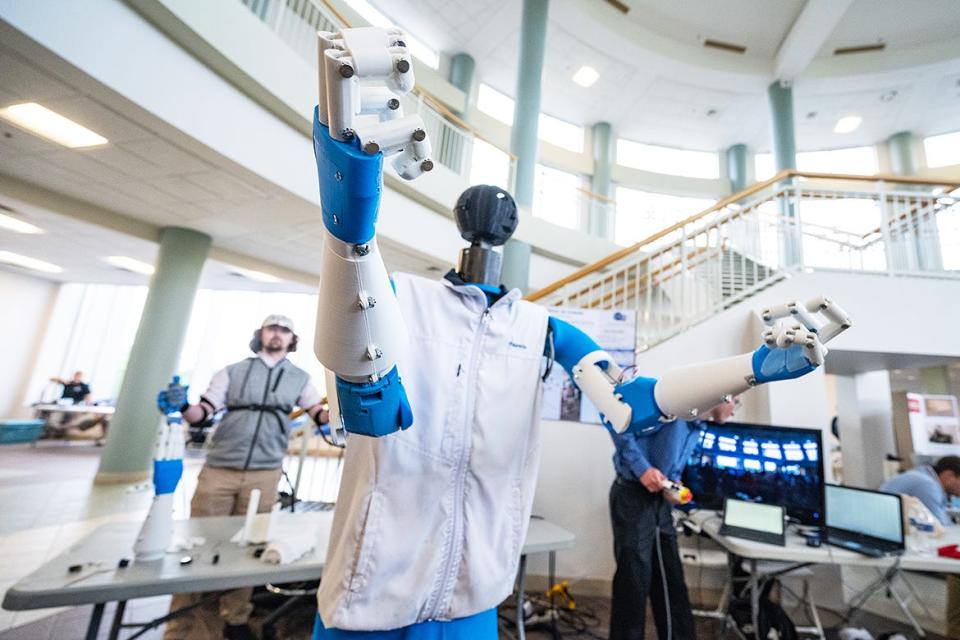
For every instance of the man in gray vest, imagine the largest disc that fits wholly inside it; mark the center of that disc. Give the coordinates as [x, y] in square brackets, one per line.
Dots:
[245, 452]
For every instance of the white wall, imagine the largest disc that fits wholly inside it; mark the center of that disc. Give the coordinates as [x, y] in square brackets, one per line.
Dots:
[27, 303]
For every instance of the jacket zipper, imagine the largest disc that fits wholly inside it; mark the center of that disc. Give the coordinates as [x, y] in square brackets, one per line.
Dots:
[452, 560]
[256, 430]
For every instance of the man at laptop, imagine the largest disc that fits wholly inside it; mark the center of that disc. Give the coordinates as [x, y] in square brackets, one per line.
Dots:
[933, 486]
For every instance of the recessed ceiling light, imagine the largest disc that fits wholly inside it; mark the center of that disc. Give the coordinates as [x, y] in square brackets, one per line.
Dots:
[27, 262]
[130, 264]
[586, 76]
[847, 124]
[251, 274]
[51, 125]
[16, 224]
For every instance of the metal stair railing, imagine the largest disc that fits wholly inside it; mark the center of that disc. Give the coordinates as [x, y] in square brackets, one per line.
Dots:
[748, 242]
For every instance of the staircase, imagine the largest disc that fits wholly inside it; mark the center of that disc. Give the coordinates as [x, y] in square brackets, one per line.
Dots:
[794, 222]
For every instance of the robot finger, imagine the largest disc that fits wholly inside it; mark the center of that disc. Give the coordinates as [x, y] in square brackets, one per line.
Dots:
[838, 319]
[806, 318]
[392, 136]
[325, 40]
[401, 79]
[815, 352]
[778, 312]
[369, 48]
[341, 93]
[409, 166]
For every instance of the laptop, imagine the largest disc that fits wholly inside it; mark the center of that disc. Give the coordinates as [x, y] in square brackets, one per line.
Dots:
[868, 522]
[753, 521]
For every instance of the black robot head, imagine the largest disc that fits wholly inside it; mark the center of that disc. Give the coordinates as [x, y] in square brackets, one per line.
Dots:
[486, 215]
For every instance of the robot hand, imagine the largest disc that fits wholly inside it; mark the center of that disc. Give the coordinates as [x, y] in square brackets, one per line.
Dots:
[794, 340]
[349, 148]
[173, 398]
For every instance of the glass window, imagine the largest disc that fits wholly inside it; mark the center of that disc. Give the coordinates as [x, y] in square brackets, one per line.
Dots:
[489, 165]
[640, 214]
[560, 133]
[763, 168]
[861, 161]
[676, 162]
[556, 196]
[495, 104]
[416, 47]
[942, 150]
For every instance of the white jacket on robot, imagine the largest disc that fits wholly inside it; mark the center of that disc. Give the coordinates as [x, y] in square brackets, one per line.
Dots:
[430, 521]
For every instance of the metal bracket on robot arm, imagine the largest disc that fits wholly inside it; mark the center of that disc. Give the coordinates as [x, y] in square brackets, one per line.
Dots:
[793, 346]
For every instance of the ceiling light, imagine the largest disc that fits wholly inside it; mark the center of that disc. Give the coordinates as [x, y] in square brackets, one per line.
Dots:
[26, 262]
[847, 124]
[51, 125]
[129, 264]
[16, 224]
[259, 276]
[586, 76]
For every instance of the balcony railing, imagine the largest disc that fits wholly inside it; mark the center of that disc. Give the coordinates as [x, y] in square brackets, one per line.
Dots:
[793, 222]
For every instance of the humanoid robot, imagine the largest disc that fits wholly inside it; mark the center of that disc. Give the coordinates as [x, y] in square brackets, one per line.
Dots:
[439, 381]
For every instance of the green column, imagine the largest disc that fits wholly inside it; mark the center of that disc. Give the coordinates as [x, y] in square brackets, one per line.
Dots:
[785, 157]
[153, 359]
[737, 167]
[903, 157]
[526, 110]
[523, 135]
[781, 120]
[462, 67]
[602, 212]
[920, 244]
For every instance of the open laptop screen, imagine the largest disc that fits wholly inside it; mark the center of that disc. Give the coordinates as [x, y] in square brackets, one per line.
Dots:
[865, 513]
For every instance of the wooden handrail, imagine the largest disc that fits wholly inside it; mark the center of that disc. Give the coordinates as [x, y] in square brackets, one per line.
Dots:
[749, 191]
[596, 196]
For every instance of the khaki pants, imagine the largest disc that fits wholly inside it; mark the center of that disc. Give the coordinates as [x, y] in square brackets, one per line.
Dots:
[953, 606]
[221, 492]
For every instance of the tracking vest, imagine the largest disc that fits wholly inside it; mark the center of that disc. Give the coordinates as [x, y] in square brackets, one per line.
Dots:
[255, 431]
[430, 521]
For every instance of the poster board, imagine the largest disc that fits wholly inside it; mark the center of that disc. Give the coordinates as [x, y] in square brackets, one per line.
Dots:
[934, 422]
[616, 333]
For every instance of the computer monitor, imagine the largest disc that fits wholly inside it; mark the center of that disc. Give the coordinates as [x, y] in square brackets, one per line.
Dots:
[773, 465]
[868, 517]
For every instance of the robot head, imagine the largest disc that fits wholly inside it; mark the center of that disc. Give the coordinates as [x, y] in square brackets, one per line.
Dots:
[486, 217]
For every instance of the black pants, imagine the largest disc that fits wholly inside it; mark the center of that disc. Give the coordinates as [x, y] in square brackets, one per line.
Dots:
[639, 518]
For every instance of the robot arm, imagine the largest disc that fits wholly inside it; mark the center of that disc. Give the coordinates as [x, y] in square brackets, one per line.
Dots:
[360, 333]
[157, 530]
[793, 346]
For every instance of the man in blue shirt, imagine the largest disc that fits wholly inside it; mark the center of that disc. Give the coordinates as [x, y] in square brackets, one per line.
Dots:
[639, 507]
[933, 486]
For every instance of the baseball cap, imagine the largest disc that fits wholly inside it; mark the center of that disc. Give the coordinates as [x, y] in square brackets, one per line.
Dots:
[277, 320]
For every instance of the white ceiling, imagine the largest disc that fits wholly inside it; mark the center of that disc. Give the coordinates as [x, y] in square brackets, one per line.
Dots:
[659, 84]
[150, 179]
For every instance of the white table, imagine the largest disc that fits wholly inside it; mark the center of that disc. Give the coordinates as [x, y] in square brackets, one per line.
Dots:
[797, 554]
[101, 580]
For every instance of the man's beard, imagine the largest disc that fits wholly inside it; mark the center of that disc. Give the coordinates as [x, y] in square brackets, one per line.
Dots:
[274, 346]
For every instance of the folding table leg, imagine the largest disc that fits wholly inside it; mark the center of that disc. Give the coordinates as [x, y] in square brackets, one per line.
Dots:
[93, 628]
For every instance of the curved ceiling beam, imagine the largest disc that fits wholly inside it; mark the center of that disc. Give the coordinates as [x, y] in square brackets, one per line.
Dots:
[816, 22]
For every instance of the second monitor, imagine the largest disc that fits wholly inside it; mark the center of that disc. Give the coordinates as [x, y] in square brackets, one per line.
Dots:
[774, 465]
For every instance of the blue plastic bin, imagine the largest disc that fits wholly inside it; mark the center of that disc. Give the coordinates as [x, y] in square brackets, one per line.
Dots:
[19, 431]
